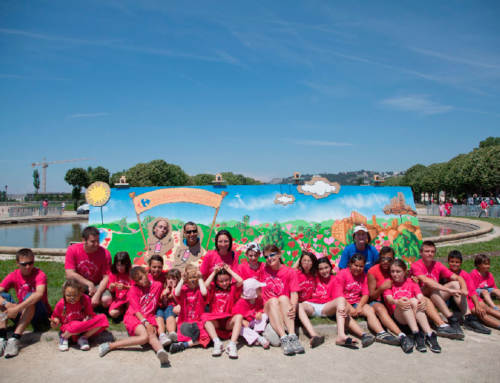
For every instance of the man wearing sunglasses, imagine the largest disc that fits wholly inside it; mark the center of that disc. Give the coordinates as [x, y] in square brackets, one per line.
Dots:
[30, 284]
[190, 251]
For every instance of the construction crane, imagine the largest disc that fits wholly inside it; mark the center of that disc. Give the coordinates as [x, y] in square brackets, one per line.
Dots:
[44, 164]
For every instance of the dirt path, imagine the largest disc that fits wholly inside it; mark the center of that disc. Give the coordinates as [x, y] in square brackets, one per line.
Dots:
[475, 359]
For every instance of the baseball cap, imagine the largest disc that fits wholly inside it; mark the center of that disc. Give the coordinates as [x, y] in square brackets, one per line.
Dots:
[250, 287]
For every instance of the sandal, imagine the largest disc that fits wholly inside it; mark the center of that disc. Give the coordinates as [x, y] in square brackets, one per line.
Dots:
[316, 341]
[349, 343]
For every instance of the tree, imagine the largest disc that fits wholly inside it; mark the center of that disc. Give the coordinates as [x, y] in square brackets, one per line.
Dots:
[203, 179]
[98, 174]
[490, 141]
[36, 180]
[156, 173]
[78, 178]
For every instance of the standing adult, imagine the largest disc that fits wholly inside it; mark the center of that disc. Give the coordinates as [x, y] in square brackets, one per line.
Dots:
[223, 253]
[484, 208]
[89, 263]
[361, 245]
[190, 251]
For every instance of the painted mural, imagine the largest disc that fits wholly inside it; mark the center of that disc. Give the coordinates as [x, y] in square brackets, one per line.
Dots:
[318, 216]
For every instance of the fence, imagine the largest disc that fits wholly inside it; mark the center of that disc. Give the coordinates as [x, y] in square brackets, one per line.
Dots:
[466, 211]
[33, 211]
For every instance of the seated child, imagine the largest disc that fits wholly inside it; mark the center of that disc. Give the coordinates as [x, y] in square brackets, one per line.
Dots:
[30, 284]
[190, 293]
[165, 315]
[251, 307]
[156, 272]
[119, 284]
[483, 280]
[429, 272]
[467, 303]
[219, 321]
[75, 315]
[139, 319]
[407, 303]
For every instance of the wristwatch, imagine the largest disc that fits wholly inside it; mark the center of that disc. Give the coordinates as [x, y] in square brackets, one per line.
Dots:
[144, 320]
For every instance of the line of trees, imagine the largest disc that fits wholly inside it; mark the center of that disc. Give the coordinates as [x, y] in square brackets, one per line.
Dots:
[475, 172]
[153, 173]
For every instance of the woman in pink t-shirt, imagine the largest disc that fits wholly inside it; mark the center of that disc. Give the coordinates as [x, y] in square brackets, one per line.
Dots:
[139, 320]
[223, 253]
[406, 301]
[280, 297]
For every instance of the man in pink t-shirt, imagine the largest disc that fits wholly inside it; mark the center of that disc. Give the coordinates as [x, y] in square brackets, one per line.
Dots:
[30, 284]
[429, 272]
[89, 263]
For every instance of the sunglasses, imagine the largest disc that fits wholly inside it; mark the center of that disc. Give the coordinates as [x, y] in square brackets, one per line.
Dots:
[386, 259]
[270, 255]
[191, 231]
[26, 263]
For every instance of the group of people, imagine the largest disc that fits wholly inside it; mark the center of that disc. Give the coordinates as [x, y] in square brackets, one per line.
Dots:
[226, 298]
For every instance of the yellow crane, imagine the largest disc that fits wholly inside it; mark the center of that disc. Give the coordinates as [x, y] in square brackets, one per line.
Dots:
[45, 164]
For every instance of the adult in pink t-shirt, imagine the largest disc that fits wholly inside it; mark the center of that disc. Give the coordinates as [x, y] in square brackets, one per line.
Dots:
[89, 263]
[280, 296]
[429, 272]
[223, 254]
[30, 284]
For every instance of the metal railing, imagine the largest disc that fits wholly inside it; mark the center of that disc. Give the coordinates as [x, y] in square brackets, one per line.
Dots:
[34, 211]
[466, 211]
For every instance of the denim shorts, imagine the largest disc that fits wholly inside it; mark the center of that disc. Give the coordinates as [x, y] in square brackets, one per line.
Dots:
[40, 321]
[488, 289]
[166, 312]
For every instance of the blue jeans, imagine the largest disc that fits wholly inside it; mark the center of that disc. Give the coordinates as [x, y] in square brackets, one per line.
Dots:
[166, 312]
[40, 321]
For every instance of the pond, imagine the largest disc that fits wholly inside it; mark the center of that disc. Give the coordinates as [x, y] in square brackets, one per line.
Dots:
[60, 234]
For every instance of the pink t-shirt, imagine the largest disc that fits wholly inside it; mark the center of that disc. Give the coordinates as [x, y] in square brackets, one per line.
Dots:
[307, 285]
[435, 271]
[352, 288]
[482, 282]
[161, 278]
[144, 299]
[192, 305]
[25, 285]
[246, 272]
[123, 278]
[90, 266]
[278, 282]
[407, 289]
[470, 288]
[79, 311]
[324, 291]
[212, 258]
[222, 301]
[247, 308]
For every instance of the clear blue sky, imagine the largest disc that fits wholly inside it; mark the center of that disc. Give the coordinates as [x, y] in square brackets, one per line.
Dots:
[263, 88]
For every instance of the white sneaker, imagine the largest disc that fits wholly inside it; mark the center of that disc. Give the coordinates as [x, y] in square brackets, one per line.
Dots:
[163, 357]
[217, 350]
[164, 339]
[232, 350]
[63, 344]
[12, 348]
[3, 344]
[173, 336]
[83, 343]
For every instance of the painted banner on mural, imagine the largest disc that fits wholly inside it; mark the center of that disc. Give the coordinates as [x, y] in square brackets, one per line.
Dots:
[318, 216]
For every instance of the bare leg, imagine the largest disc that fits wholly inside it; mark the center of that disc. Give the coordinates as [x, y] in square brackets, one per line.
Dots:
[421, 317]
[115, 313]
[386, 319]
[337, 307]
[406, 317]
[432, 312]
[211, 329]
[26, 317]
[272, 309]
[461, 301]
[161, 324]
[140, 338]
[438, 298]
[305, 311]
[171, 324]
[373, 322]
[285, 306]
[235, 325]
[487, 298]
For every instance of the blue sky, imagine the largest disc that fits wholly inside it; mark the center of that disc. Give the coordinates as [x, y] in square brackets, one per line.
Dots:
[260, 88]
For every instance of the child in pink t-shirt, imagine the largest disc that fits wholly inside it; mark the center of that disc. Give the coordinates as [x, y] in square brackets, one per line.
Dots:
[75, 315]
[407, 303]
[251, 308]
[190, 293]
[139, 319]
[156, 272]
[476, 310]
[219, 321]
[119, 284]
[168, 309]
[251, 267]
[352, 284]
[30, 284]
[483, 280]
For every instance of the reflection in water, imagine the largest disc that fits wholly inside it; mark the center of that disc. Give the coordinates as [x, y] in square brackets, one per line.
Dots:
[56, 235]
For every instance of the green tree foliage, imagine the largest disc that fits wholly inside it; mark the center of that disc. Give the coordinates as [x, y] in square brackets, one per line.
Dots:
[78, 178]
[156, 173]
[98, 174]
[490, 141]
[36, 180]
[202, 179]
[238, 179]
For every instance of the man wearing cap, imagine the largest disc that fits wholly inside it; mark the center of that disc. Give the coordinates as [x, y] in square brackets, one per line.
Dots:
[361, 245]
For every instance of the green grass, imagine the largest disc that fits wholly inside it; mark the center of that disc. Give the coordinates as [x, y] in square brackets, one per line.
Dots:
[55, 279]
